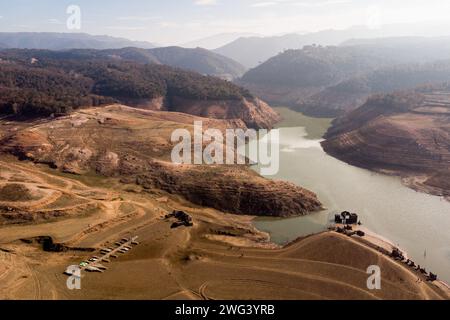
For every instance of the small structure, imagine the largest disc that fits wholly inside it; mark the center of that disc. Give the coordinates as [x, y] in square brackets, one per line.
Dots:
[346, 218]
[93, 269]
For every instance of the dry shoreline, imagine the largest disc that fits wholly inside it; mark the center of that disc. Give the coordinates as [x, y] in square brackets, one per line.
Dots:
[413, 181]
[370, 239]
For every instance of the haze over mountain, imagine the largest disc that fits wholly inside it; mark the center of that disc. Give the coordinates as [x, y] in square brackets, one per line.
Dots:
[199, 60]
[252, 51]
[62, 41]
[350, 94]
[216, 41]
[328, 81]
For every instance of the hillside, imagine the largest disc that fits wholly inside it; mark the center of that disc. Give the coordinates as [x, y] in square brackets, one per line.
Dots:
[330, 81]
[406, 49]
[405, 133]
[313, 66]
[38, 82]
[198, 60]
[295, 75]
[350, 94]
[252, 51]
[135, 145]
[63, 41]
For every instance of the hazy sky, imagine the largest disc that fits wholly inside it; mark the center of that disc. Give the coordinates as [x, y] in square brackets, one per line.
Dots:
[179, 21]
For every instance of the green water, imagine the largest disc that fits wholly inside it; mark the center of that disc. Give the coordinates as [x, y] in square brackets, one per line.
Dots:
[414, 221]
[315, 127]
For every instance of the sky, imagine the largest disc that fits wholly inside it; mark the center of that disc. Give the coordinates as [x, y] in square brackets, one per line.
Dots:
[180, 21]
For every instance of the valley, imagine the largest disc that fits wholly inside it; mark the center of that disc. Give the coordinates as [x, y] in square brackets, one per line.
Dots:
[119, 185]
[300, 202]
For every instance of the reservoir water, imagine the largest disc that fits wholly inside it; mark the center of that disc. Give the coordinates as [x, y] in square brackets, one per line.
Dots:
[416, 222]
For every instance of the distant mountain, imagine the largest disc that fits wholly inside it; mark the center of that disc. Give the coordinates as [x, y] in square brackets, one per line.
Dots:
[62, 41]
[350, 94]
[406, 49]
[216, 41]
[293, 75]
[199, 60]
[314, 66]
[252, 51]
[329, 81]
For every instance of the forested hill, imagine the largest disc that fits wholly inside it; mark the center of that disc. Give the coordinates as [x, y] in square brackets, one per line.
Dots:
[42, 82]
[330, 81]
[314, 66]
[199, 60]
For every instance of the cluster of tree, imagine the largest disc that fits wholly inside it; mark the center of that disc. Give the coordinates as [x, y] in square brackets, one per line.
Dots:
[45, 82]
[36, 91]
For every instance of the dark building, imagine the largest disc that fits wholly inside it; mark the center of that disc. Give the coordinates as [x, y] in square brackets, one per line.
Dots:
[346, 218]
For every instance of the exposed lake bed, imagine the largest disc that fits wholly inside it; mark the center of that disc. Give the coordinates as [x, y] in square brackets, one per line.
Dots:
[416, 222]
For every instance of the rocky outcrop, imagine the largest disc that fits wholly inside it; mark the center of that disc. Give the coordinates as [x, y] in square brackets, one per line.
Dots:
[231, 189]
[254, 112]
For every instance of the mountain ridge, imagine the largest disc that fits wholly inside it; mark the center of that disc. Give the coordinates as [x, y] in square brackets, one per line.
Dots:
[61, 41]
